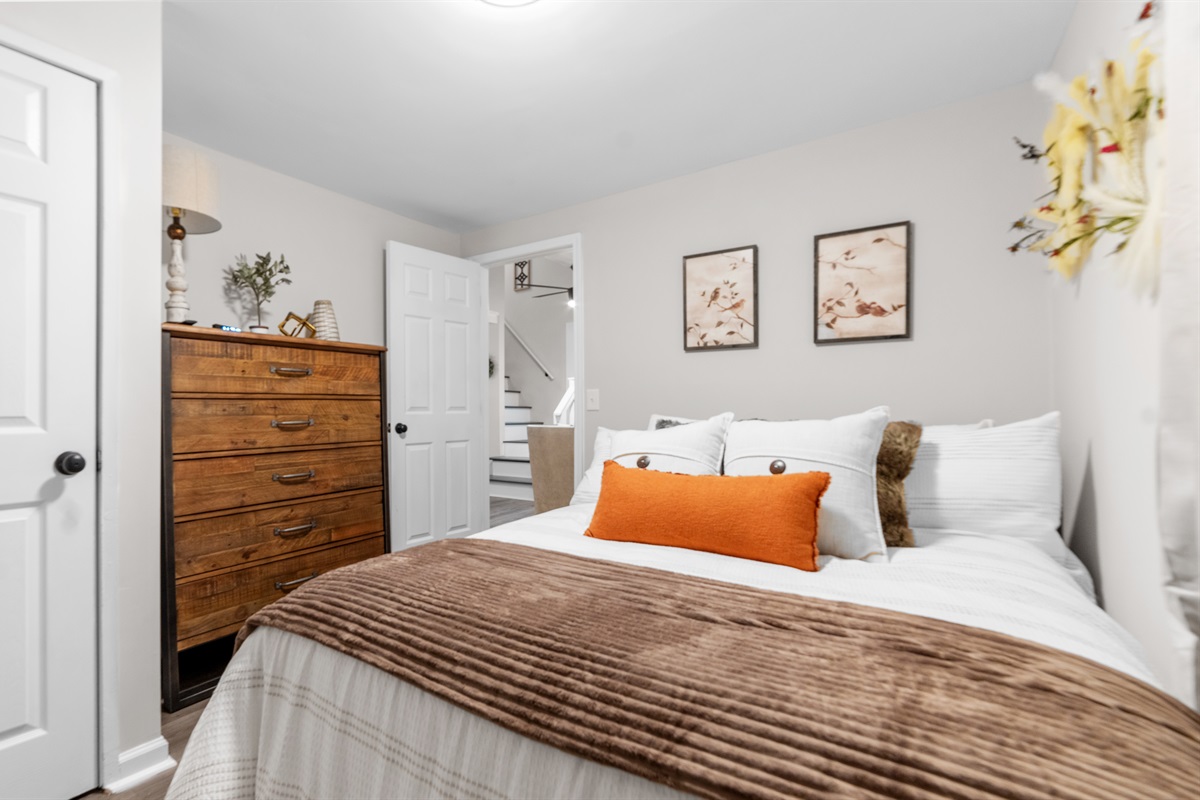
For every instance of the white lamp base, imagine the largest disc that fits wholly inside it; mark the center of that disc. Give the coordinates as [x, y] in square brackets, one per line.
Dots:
[177, 285]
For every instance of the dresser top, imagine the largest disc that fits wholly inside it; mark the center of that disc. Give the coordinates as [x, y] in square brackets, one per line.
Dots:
[215, 334]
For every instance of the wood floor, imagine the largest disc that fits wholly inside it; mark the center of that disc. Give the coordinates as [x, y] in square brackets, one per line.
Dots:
[177, 727]
[506, 510]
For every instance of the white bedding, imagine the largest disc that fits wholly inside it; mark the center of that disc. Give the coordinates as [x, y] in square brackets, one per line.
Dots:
[294, 719]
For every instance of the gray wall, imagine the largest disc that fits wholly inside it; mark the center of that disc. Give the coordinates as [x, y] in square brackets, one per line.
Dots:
[1105, 381]
[333, 243]
[981, 317]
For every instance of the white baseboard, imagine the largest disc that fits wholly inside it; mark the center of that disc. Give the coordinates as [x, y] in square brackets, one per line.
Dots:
[140, 764]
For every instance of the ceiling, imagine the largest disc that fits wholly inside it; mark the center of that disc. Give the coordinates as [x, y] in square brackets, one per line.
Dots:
[462, 114]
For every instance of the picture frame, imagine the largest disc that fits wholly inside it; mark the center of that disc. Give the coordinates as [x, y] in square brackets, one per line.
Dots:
[720, 300]
[862, 284]
[522, 275]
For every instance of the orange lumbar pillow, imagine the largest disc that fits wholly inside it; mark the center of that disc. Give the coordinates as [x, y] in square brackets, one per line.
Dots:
[770, 518]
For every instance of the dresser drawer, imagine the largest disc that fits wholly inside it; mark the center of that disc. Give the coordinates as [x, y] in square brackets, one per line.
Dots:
[217, 605]
[214, 543]
[215, 367]
[204, 425]
[204, 485]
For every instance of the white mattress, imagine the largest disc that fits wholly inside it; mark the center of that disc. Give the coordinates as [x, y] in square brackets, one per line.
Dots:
[294, 719]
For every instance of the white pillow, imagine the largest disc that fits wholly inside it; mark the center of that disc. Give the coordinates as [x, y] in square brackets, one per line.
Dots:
[1003, 481]
[694, 449]
[846, 447]
[660, 421]
[970, 426]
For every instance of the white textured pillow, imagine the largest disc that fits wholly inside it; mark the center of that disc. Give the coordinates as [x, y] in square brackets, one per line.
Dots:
[1005, 481]
[588, 490]
[846, 447]
[970, 426]
[694, 448]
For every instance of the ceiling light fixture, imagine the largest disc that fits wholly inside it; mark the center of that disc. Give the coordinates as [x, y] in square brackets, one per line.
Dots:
[509, 3]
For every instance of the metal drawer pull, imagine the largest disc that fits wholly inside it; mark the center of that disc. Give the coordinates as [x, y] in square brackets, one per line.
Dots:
[302, 371]
[293, 423]
[297, 582]
[298, 528]
[295, 476]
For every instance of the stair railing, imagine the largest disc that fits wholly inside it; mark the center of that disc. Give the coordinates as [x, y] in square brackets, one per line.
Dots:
[540, 364]
[564, 412]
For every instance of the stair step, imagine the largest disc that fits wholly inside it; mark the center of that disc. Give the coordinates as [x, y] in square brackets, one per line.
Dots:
[518, 449]
[518, 459]
[512, 491]
[520, 481]
[511, 396]
[517, 431]
[519, 414]
[511, 469]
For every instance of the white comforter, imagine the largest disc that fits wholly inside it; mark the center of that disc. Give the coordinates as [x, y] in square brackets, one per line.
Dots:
[293, 719]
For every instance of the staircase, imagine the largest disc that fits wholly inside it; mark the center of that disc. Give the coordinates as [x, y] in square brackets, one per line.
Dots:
[510, 475]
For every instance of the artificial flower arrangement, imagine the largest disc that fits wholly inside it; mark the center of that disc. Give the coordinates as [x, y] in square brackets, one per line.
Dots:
[1103, 148]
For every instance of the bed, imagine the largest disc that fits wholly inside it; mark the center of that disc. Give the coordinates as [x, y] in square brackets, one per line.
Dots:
[297, 716]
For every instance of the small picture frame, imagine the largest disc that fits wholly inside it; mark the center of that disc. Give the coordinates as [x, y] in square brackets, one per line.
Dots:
[522, 275]
[720, 300]
[862, 284]
[297, 327]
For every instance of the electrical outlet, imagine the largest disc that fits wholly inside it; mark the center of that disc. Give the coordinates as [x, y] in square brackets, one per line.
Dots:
[593, 399]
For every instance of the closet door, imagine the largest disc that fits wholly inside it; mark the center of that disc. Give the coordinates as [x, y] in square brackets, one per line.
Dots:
[48, 240]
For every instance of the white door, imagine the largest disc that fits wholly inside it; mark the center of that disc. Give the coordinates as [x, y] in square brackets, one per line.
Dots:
[437, 371]
[48, 240]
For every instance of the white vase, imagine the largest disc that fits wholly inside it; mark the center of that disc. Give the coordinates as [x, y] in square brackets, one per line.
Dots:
[324, 321]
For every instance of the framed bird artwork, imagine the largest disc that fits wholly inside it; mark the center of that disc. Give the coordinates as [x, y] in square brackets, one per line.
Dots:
[720, 299]
[862, 284]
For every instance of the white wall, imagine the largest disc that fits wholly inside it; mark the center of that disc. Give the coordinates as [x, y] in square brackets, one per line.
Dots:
[334, 245]
[541, 322]
[1106, 384]
[980, 317]
[126, 37]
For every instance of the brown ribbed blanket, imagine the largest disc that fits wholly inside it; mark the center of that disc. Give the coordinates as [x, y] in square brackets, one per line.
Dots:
[726, 691]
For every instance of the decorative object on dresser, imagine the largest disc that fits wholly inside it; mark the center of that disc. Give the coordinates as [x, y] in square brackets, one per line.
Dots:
[273, 472]
[256, 283]
[324, 321]
[862, 283]
[295, 325]
[720, 299]
[189, 194]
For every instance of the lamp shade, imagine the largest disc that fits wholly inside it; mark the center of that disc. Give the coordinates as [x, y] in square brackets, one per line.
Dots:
[190, 184]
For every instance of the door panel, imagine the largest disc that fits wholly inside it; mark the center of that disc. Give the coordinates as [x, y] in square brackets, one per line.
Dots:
[437, 370]
[48, 185]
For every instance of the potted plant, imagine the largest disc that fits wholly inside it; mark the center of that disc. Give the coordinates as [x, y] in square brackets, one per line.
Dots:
[257, 281]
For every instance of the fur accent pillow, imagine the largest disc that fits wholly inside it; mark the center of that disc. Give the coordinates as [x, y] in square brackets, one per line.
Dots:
[896, 455]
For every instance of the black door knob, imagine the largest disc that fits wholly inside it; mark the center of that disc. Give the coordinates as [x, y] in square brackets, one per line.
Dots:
[401, 427]
[70, 463]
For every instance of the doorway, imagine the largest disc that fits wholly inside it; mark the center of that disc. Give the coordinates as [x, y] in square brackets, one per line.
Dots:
[531, 362]
[561, 261]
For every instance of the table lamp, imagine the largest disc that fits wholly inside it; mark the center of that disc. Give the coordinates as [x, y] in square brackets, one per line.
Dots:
[189, 196]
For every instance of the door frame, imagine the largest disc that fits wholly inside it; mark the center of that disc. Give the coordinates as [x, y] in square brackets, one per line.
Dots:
[108, 401]
[574, 241]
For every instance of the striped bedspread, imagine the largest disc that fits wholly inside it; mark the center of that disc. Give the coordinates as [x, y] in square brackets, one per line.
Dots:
[627, 681]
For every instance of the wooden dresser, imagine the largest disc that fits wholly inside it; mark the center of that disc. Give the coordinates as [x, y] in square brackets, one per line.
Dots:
[274, 471]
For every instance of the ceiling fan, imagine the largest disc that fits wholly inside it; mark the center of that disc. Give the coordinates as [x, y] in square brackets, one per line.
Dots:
[567, 290]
